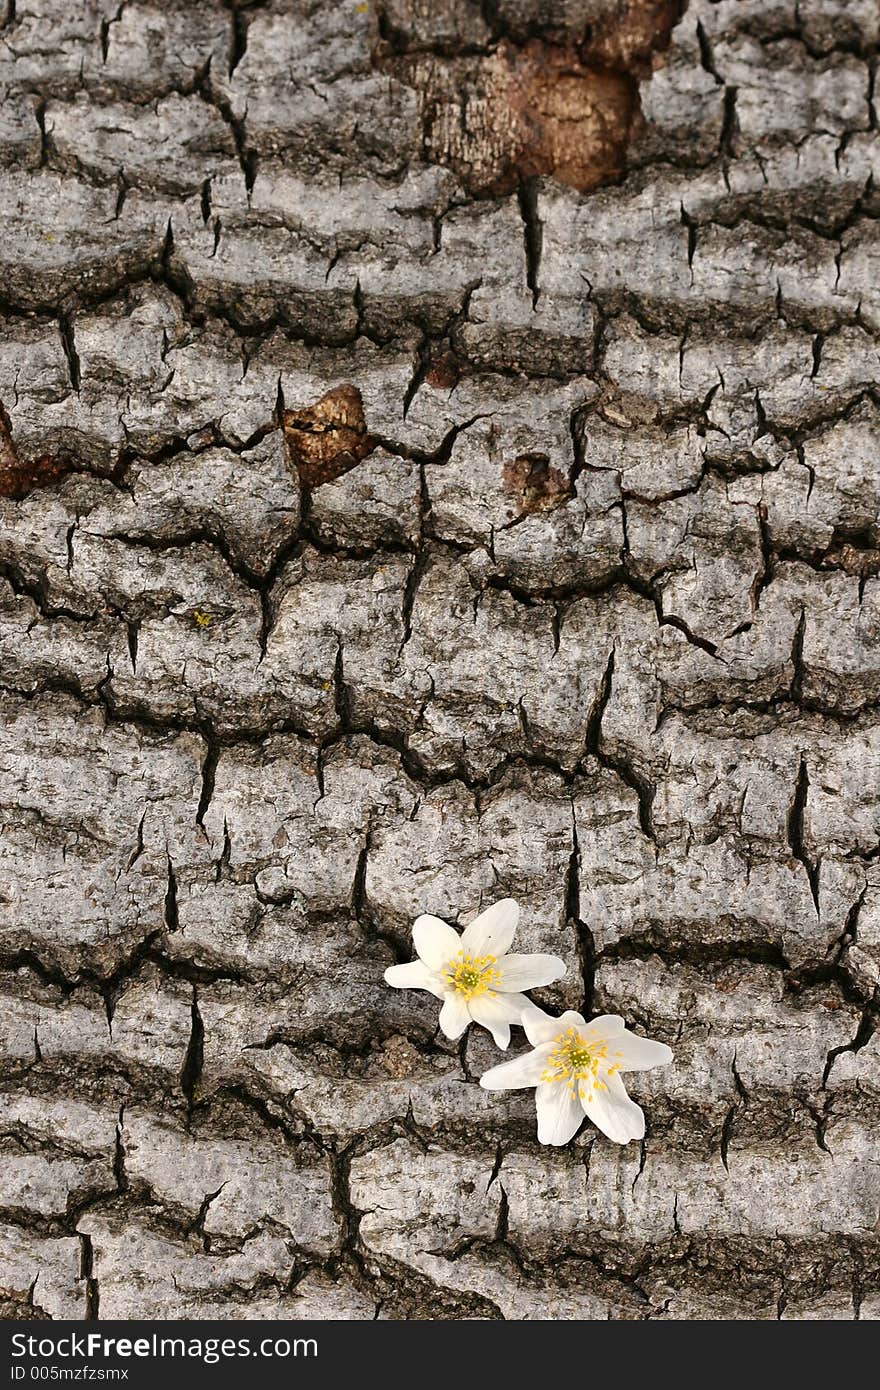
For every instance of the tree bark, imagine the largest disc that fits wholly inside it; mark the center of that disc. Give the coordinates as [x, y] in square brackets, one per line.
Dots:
[438, 456]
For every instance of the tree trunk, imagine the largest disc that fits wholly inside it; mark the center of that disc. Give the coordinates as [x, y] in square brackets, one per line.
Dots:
[439, 456]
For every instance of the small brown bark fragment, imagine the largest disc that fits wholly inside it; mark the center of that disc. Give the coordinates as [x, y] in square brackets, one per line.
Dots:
[400, 1059]
[18, 476]
[330, 437]
[536, 486]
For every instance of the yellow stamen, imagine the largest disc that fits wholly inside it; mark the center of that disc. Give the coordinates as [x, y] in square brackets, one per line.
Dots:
[470, 976]
[575, 1059]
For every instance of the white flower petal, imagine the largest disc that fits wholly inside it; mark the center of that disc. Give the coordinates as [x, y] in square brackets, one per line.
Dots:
[541, 1027]
[606, 1026]
[491, 933]
[500, 1033]
[559, 1112]
[529, 972]
[628, 1052]
[519, 1072]
[454, 1016]
[614, 1113]
[415, 975]
[435, 941]
[496, 1012]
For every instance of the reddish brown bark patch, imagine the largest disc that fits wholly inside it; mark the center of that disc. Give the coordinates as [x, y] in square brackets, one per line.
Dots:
[535, 485]
[328, 438]
[563, 105]
[18, 476]
[444, 373]
[857, 556]
[632, 34]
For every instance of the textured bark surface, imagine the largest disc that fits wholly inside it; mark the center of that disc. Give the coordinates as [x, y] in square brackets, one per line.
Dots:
[389, 525]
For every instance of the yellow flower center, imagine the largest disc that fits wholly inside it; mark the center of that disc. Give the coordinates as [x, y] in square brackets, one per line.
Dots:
[578, 1061]
[470, 975]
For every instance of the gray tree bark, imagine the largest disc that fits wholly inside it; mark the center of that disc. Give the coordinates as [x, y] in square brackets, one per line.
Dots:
[439, 457]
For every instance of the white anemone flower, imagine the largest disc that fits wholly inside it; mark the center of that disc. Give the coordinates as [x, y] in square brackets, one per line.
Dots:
[478, 981]
[575, 1067]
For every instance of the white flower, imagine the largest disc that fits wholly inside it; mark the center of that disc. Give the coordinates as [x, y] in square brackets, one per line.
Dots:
[473, 974]
[575, 1067]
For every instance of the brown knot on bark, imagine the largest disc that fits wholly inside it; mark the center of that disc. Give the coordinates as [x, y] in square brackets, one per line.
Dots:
[541, 100]
[328, 438]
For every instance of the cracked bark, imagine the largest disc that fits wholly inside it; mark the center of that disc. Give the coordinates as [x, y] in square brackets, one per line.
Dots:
[437, 461]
